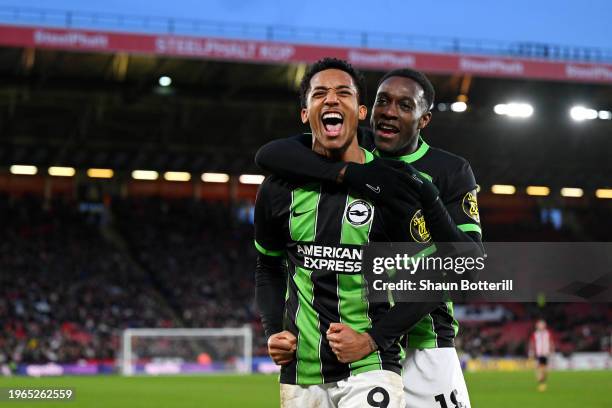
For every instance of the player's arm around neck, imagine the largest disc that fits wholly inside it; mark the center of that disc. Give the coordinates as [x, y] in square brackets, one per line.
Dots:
[293, 159]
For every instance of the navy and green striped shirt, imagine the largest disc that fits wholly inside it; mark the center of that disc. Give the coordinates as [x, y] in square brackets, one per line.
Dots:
[455, 180]
[320, 228]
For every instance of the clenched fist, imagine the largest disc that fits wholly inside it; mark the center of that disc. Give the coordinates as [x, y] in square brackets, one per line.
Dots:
[281, 347]
[347, 344]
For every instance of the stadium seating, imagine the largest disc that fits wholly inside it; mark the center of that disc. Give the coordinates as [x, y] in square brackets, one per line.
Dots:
[74, 276]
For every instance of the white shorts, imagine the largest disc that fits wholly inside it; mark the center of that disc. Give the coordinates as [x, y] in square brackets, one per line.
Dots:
[379, 388]
[433, 379]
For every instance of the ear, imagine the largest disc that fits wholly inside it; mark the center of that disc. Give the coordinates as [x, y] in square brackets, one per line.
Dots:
[363, 112]
[424, 120]
[304, 115]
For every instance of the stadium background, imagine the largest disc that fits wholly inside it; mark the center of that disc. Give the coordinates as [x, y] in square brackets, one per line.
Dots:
[85, 256]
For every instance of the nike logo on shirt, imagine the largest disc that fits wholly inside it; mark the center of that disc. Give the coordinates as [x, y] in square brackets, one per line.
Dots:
[374, 189]
[297, 214]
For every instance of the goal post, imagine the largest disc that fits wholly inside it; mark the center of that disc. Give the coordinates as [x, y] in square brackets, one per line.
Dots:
[154, 351]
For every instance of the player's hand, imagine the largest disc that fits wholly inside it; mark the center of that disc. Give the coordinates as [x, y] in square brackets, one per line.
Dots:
[383, 181]
[421, 187]
[396, 214]
[281, 347]
[347, 344]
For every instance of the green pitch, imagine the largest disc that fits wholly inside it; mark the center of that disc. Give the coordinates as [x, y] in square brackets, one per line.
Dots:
[487, 390]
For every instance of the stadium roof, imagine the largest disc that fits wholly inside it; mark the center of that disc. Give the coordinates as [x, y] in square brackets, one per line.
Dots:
[97, 109]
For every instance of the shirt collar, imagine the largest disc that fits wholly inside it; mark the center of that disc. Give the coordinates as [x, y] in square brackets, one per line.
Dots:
[414, 156]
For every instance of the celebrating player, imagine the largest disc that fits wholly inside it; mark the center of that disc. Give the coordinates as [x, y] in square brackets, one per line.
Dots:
[446, 211]
[320, 227]
[541, 347]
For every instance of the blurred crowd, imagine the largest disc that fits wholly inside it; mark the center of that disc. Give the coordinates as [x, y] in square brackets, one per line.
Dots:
[73, 276]
[65, 291]
[503, 329]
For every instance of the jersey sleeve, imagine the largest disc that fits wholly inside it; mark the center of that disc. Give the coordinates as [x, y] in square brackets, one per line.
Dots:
[459, 194]
[269, 237]
[292, 159]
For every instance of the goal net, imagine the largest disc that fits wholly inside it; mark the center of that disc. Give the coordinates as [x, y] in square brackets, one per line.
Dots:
[186, 351]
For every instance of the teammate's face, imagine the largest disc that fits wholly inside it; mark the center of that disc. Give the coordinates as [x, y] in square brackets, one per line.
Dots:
[398, 115]
[332, 109]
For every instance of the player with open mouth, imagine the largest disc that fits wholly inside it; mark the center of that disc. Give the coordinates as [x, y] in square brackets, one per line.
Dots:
[324, 302]
[444, 209]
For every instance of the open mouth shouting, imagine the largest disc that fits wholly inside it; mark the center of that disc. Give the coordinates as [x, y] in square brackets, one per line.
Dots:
[332, 123]
[386, 130]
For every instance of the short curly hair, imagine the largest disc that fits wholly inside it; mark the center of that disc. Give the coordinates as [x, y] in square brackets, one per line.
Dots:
[419, 78]
[332, 63]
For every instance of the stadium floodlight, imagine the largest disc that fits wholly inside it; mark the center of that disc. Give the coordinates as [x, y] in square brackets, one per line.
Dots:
[165, 81]
[251, 178]
[215, 177]
[514, 109]
[23, 170]
[500, 109]
[57, 171]
[186, 351]
[605, 115]
[177, 176]
[572, 192]
[603, 193]
[100, 173]
[538, 191]
[580, 113]
[458, 106]
[503, 189]
[145, 175]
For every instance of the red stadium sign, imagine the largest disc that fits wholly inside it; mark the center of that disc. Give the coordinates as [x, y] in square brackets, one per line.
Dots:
[261, 51]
